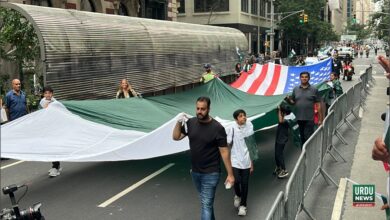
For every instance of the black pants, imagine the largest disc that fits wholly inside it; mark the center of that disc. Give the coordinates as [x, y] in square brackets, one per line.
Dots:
[241, 177]
[306, 129]
[279, 158]
[56, 165]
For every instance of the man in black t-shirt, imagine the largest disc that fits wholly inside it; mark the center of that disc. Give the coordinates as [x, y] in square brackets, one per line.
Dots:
[208, 144]
[337, 65]
[304, 97]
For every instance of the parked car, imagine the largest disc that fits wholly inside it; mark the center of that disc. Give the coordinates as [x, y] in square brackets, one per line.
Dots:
[343, 51]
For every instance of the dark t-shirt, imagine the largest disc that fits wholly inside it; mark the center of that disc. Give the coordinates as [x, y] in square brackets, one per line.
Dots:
[304, 99]
[205, 140]
[282, 133]
[337, 66]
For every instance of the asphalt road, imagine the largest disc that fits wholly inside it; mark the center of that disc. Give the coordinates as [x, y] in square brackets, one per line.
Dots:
[82, 187]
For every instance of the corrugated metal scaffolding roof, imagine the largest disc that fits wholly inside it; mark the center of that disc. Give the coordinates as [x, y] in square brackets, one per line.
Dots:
[86, 54]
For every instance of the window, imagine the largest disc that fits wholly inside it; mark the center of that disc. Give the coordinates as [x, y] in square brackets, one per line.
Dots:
[244, 6]
[268, 10]
[211, 5]
[123, 10]
[46, 3]
[254, 7]
[262, 8]
[182, 8]
[87, 5]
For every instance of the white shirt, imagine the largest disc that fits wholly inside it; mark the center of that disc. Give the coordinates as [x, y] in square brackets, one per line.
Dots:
[44, 102]
[239, 154]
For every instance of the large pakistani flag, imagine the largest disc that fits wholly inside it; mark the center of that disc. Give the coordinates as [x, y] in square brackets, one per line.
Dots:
[124, 129]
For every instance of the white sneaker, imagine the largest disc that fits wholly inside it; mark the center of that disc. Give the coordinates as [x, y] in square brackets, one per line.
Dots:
[242, 211]
[237, 201]
[51, 170]
[54, 172]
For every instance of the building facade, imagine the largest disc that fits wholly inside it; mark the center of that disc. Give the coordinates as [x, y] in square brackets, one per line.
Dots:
[155, 9]
[249, 16]
[363, 10]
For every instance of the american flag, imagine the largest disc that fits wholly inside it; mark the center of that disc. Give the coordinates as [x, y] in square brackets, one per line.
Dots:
[274, 79]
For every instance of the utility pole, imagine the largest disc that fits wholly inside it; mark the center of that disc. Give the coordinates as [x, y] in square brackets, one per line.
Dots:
[258, 29]
[272, 34]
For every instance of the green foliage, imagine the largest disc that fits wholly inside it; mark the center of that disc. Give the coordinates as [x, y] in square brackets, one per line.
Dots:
[19, 44]
[362, 31]
[315, 28]
[20, 35]
[380, 22]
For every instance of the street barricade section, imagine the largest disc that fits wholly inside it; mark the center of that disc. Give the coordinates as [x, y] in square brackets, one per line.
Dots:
[310, 162]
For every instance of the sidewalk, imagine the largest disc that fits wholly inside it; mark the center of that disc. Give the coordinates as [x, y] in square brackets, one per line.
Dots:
[365, 170]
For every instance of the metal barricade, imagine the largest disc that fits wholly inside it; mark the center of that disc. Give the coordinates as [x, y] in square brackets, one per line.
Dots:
[357, 98]
[340, 111]
[349, 97]
[327, 143]
[364, 78]
[277, 210]
[295, 189]
[310, 162]
[313, 155]
[369, 75]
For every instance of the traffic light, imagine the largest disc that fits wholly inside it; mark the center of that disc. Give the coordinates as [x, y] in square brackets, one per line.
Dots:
[354, 18]
[305, 16]
[301, 18]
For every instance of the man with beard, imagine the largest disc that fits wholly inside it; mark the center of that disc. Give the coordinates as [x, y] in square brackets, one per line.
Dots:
[304, 97]
[208, 143]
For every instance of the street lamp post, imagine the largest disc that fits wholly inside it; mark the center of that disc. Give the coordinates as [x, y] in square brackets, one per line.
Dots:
[272, 33]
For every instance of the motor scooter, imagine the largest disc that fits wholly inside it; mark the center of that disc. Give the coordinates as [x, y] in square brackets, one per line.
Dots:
[349, 71]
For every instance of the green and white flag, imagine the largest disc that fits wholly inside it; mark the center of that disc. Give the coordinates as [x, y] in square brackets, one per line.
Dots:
[292, 53]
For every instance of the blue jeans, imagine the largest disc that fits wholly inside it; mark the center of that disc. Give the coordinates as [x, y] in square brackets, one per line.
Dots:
[206, 184]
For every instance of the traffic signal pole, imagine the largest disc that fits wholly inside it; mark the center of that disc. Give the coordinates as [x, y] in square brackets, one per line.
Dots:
[272, 34]
[272, 31]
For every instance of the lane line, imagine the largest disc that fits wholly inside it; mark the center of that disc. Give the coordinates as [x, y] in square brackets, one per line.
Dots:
[134, 186]
[339, 201]
[12, 164]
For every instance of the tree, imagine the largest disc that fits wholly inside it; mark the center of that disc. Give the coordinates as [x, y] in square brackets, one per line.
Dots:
[380, 21]
[315, 29]
[360, 30]
[18, 43]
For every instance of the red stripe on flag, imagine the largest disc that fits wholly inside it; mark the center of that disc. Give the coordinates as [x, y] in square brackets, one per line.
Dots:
[244, 75]
[256, 84]
[275, 80]
[240, 81]
[253, 67]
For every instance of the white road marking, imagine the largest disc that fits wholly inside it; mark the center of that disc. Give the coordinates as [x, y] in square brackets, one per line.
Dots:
[361, 111]
[339, 201]
[12, 164]
[134, 186]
